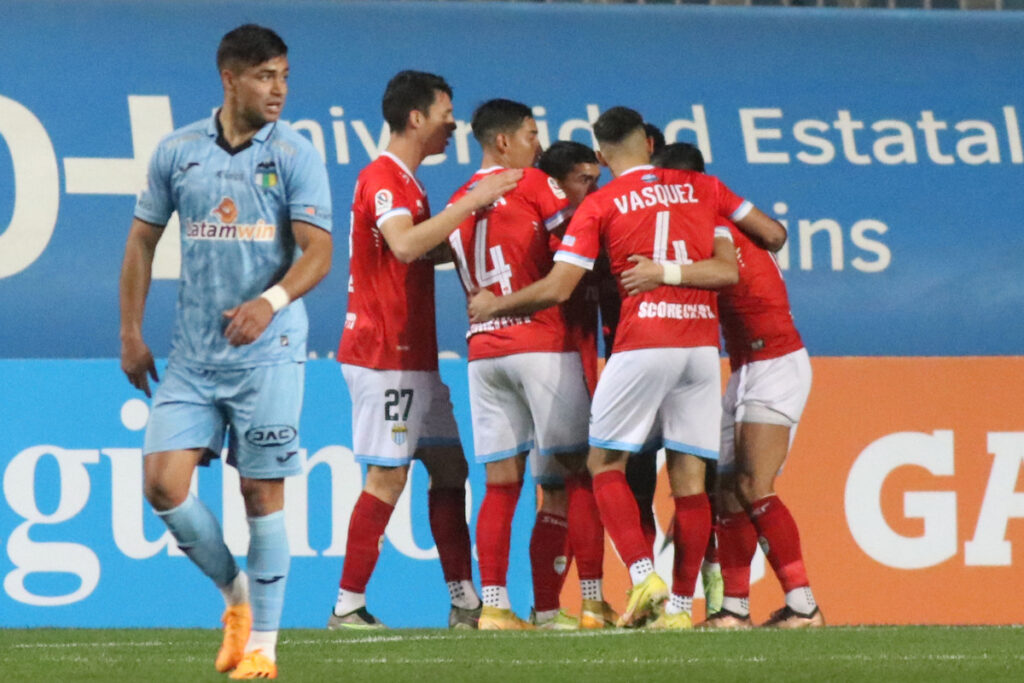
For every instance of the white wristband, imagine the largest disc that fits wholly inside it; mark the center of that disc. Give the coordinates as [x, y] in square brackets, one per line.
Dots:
[277, 297]
[671, 274]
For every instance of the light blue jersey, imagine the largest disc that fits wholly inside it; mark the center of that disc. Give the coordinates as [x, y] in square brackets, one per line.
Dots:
[235, 209]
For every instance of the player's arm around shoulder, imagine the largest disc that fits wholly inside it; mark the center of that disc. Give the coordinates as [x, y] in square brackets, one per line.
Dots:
[136, 275]
[554, 288]
[721, 270]
[762, 229]
[409, 242]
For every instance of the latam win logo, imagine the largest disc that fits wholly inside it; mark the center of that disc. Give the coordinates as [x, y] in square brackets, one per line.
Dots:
[227, 229]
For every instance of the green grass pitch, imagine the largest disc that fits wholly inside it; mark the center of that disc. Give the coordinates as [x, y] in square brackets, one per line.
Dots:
[881, 653]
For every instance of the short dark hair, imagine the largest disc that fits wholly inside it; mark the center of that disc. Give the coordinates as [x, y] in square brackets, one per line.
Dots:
[498, 116]
[616, 124]
[680, 155]
[559, 159]
[410, 91]
[654, 133]
[247, 46]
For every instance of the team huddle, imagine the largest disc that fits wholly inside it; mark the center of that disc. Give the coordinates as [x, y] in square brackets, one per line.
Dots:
[670, 257]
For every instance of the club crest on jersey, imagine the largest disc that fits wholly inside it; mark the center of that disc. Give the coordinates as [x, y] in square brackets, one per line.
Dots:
[384, 201]
[266, 174]
[555, 189]
[399, 433]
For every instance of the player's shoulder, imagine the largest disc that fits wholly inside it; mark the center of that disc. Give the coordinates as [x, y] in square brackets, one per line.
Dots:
[288, 142]
[536, 180]
[196, 132]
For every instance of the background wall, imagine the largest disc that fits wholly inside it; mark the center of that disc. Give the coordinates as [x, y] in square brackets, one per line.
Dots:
[890, 143]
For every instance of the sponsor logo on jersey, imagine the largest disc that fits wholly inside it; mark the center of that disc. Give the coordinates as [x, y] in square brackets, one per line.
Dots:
[674, 311]
[227, 229]
[186, 167]
[649, 178]
[286, 457]
[227, 211]
[399, 433]
[383, 201]
[271, 435]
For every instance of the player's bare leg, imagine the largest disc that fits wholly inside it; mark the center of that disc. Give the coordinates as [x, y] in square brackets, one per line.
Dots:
[267, 564]
[761, 449]
[621, 518]
[167, 478]
[690, 530]
[493, 536]
[366, 527]
[448, 471]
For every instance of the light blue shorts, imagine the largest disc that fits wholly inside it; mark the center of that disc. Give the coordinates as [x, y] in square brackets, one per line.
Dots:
[257, 407]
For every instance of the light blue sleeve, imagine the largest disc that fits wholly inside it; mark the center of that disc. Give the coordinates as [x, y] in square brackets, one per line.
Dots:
[309, 192]
[156, 202]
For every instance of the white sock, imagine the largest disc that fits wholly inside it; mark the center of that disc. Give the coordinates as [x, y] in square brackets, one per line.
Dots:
[546, 615]
[801, 600]
[236, 592]
[463, 594]
[738, 606]
[496, 596]
[265, 641]
[640, 570]
[591, 589]
[678, 604]
[348, 602]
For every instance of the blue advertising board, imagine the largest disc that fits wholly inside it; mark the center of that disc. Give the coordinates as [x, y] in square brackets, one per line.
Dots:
[883, 139]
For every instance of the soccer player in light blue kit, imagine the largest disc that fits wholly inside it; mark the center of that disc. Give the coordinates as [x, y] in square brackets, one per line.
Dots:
[255, 210]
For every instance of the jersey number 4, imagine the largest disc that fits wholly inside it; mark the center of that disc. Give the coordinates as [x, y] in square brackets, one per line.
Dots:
[499, 273]
[661, 242]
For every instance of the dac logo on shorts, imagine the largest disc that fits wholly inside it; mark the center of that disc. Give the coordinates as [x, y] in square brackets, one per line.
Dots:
[271, 435]
[398, 434]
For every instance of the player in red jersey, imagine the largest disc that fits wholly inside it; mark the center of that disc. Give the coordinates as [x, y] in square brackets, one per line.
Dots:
[766, 394]
[575, 168]
[526, 381]
[400, 408]
[664, 370]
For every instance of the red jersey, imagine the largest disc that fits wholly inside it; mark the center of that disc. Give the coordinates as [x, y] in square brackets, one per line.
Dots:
[505, 247]
[756, 321]
[667, 216]
[390, 320]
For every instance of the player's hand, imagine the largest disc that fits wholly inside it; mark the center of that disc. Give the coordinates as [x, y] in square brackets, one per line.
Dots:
[643, 277]
[493, 186]
[248, 320]
[137, 364]
[481, 306]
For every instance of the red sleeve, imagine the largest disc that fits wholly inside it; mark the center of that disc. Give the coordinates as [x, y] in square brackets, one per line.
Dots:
[582, 240]
[728, 204]
[548, 197]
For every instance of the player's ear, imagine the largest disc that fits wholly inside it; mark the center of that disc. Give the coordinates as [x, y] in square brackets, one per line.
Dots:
[416, 118]
[600, 158]
[501, 143]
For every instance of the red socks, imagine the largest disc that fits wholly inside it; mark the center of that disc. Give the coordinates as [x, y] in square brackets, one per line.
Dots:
[365, 529]
[781, 541]
[451, 533]
[621, 517]
[586, 532]
[494, 531]
[690, 535]
[737, 543]
[548, 546]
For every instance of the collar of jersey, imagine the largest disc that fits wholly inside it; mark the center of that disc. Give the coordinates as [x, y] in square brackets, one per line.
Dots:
[405, 169]
[645, 167]
[213, 129]
[492, 169]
